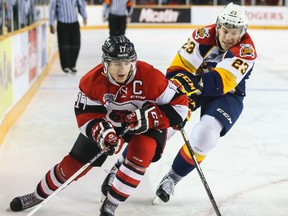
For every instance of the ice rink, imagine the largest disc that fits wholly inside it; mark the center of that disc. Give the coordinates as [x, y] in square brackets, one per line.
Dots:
[247, 172]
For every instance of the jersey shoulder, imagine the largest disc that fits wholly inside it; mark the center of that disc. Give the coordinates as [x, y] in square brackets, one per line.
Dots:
[153, 80]
[205, 35]
[148, 71]
[95, 77]
[245, 48]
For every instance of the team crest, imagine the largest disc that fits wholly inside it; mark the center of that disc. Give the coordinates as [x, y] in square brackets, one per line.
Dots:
[202, 33]
[123, 91]
[108, 97]
[247, 50]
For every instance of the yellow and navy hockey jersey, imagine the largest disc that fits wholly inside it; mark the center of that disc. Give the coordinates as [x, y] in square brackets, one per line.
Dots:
[221, 71]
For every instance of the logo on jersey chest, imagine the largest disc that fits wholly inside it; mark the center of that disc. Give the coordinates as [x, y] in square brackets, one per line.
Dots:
[108, 97]
[137, 97]
[247, 50]
[202, 33]
[124, 93]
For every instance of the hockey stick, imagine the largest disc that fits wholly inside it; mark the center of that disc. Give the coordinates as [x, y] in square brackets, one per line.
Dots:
[75, 175]
[199, 170]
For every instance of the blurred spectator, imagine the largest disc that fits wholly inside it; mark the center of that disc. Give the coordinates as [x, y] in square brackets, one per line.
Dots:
[147, 2]
[225, 2]
[200, 2]
[173, 2]
[272, 2]
[95, 2]
[262, 2]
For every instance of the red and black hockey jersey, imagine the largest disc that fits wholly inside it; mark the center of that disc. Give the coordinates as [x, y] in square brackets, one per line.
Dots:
[101, 98]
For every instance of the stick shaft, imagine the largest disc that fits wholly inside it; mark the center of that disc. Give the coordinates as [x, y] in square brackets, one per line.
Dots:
[73, 177]
[200, 172]
[64, 185]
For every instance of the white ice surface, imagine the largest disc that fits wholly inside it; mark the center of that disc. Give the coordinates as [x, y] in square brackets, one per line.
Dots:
[247, 172]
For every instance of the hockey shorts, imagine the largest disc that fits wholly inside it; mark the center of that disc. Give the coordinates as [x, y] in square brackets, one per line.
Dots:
[226, 109]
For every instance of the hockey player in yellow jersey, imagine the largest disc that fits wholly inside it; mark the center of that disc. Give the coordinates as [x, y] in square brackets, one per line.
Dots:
[217, 59]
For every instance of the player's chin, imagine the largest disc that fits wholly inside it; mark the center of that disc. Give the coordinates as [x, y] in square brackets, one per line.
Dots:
[227, 46]
[121, 79]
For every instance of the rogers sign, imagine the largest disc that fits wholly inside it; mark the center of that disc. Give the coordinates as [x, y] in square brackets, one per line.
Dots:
[268, 16]
[153, 15]
[264, 15]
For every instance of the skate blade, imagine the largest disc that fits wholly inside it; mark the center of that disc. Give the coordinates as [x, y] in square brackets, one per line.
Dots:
[156, 201]
[9, 209]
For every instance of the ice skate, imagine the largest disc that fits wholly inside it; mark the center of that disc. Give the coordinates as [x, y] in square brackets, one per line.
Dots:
[164, 190]
[108, 208]
[24, 202]
[108, 181]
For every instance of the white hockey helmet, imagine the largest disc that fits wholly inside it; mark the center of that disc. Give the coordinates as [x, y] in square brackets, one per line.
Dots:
[233, 16]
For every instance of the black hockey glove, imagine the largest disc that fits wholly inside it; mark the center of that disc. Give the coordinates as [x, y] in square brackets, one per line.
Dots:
[143, 119]
[188, 83]
[105, 136]
[181, 125]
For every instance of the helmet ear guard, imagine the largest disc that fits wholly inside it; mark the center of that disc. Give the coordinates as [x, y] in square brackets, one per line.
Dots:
[233, 16]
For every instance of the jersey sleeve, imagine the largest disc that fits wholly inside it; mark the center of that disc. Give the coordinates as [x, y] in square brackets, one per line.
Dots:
[88, 108]
[82, 8]
[172, 103]
[176, 110]
[192, 53]
[52, 12]
[187, 58]
[106, 7]
[230, 66]
[130, 7]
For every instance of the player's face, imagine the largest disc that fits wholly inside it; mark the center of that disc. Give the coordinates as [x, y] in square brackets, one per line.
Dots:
[228, 37]
[119, 70]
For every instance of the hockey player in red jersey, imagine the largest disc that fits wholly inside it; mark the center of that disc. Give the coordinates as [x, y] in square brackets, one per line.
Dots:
[120, 92]
[211, 68]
